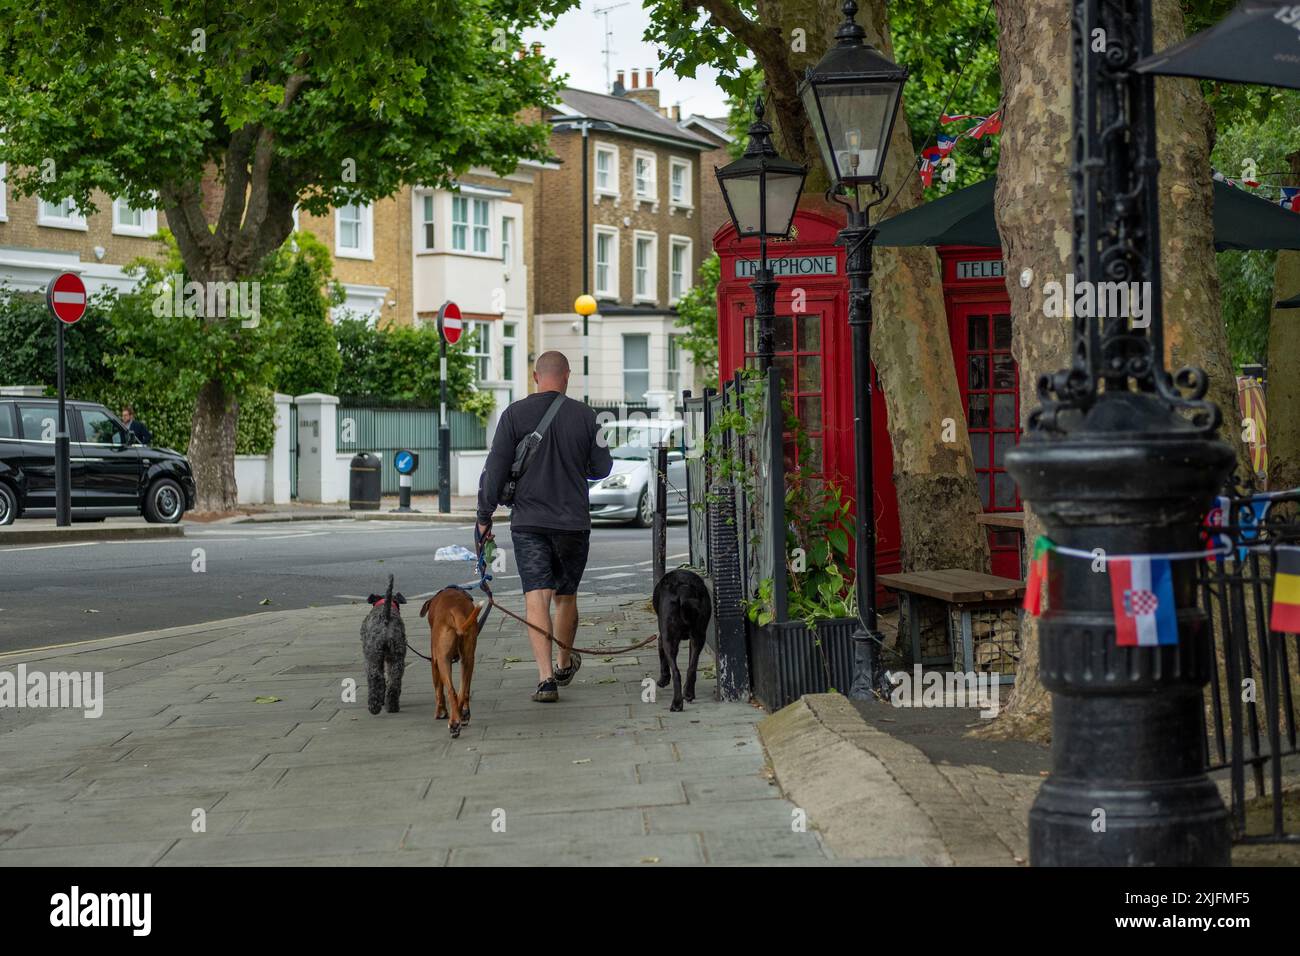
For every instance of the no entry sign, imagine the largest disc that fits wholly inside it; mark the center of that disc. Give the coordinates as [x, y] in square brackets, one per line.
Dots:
[66, 297]
[449, 323]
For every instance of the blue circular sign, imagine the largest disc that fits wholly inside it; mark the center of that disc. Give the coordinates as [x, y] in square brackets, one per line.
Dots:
[404, 462]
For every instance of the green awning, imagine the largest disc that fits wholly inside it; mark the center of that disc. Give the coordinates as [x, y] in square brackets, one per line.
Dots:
[965, 218]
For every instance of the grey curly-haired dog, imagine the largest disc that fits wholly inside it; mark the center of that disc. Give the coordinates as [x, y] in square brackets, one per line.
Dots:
[383, 640]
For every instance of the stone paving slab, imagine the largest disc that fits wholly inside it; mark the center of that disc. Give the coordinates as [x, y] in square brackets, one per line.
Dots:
[603, 777]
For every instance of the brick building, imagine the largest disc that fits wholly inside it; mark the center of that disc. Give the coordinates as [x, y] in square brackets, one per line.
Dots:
[645, 238]
[39, 240]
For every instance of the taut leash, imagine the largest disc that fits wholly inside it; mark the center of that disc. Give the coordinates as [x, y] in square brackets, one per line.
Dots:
[484, 578]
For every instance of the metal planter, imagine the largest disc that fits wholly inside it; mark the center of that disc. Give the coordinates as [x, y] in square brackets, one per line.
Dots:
[785, 661]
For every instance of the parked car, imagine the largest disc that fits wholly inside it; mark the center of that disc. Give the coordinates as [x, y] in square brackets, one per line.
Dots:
[626, 495]
[112, 473]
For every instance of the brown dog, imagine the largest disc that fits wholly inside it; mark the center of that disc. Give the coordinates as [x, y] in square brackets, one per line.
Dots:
[453, 636]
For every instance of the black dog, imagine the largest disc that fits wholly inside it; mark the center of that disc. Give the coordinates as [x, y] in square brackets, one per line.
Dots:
[383, 641]
[682, 601]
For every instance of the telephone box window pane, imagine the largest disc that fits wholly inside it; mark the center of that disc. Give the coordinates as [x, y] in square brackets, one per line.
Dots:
[1005, 496]
[810, 373]
[789, 452]
[751, 334]
[785, 364]
[751, 361]
[985, 479]
[810, 332]
[979, 371]
[978, 415]
[1002, 332]
[783, 340]
[1004, 411]
[977, 333]
[1003, 442]
[979, 446]
[1004, 371]
[1005, 539]
[810, 412]
[814, 461]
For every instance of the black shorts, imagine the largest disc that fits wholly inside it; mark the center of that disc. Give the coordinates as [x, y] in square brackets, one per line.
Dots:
[551, 560]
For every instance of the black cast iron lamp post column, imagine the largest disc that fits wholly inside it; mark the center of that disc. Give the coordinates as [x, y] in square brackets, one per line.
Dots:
[762, 190]
[852, 97]
[1121, 456]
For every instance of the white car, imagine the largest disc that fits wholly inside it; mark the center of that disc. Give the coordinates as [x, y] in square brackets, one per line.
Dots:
[628, 493]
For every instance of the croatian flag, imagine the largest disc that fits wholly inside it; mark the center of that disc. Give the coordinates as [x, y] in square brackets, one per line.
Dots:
[1142, 596]
[945, 143]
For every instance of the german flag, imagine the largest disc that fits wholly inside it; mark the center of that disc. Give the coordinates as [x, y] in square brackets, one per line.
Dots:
[1286, 592]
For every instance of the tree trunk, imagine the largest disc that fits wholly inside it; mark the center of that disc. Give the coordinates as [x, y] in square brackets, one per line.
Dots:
[1033, 208]
[1284, 369]
[1033, 213]
[212, 448]
[1195, 333]
[935, 480]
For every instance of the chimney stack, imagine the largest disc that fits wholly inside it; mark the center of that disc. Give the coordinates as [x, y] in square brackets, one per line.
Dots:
[677, 112]
[648, 94]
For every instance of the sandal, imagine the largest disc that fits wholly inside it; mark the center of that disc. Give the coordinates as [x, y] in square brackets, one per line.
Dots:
[564, 675]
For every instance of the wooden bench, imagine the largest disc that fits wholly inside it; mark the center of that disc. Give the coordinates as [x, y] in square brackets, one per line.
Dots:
[966, 591]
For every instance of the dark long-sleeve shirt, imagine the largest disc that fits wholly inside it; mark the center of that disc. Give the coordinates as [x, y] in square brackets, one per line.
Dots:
[552, 495]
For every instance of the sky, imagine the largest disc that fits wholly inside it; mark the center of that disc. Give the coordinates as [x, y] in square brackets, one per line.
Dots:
[577, 40]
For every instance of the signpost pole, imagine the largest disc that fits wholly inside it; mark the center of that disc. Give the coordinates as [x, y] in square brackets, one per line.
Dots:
[62, 459]
[65, 297]
[444, 441]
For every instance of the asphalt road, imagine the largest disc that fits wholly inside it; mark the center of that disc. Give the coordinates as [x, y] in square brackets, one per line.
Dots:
[58, 594]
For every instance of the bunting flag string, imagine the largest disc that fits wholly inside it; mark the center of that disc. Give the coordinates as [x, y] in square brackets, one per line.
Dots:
[1288, 197]
[1142, 592]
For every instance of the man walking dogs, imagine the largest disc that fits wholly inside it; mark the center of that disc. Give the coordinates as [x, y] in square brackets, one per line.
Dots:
[545, 449]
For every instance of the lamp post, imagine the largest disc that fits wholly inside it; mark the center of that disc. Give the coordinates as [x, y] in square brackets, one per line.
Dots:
[761, 190]
[585, 305]
[1121, 456]
[851, 97]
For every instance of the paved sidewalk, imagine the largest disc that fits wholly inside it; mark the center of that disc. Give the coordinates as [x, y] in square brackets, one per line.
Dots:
[239, 726]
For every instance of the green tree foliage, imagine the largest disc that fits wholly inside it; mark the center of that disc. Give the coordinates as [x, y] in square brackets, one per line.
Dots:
[27, 357]
[951, 52]
[697, 316]
[311, 103]
[400, 365]
[27, 343]
[299, 280]
[1256, 133]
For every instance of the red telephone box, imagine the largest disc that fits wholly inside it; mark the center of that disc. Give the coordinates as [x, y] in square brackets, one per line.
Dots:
[979, 326]
[813, 350]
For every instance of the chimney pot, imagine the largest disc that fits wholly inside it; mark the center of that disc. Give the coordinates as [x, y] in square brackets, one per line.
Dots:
[619, 81]
[649, 77]
[537, 49]
[636, 79]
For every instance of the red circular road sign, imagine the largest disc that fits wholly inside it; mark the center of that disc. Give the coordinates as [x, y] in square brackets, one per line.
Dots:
[66, 297]
[449, 323]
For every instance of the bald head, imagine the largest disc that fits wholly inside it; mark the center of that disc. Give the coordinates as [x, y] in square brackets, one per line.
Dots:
[551, 371]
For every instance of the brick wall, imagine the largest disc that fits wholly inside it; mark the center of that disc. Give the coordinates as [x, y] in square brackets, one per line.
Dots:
[20, 230]
[558, 235]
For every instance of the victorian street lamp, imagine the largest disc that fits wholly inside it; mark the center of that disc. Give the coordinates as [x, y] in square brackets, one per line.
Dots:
[762, 190]
[852, 97]
[1122, 457]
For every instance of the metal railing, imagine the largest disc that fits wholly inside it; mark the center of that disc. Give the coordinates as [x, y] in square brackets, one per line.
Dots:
[1252, 696]
[385, 430]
